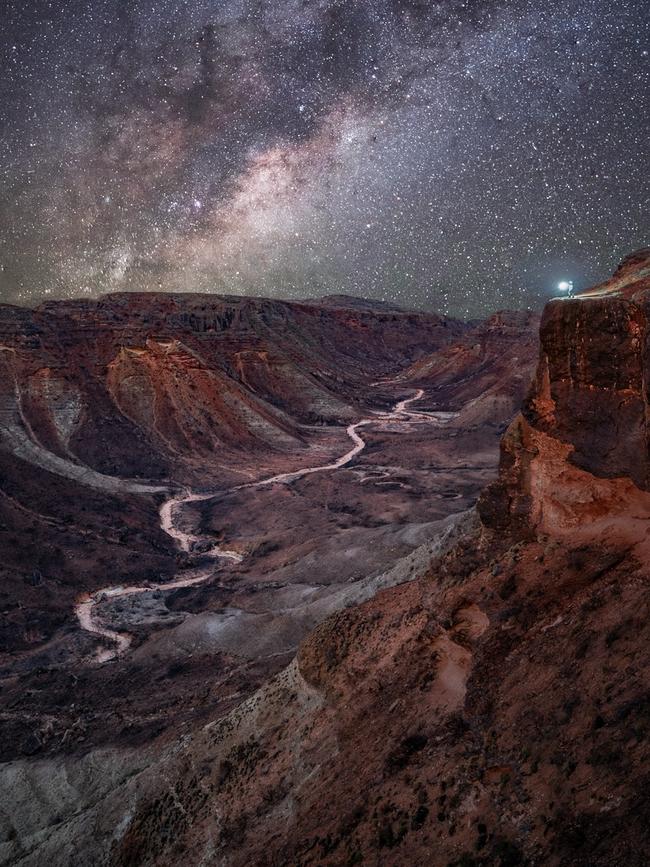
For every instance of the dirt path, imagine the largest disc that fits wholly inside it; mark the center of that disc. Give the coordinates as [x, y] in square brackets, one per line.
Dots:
[185, 541]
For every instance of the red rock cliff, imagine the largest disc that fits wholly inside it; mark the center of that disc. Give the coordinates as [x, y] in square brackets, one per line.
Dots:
[588, 404]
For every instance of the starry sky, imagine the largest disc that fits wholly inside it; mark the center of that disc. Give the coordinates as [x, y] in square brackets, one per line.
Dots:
[461, 156]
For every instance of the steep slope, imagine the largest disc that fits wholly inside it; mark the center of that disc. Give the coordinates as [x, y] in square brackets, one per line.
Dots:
[630, 278]
[493, 712]
[186, 407]
[595, 368]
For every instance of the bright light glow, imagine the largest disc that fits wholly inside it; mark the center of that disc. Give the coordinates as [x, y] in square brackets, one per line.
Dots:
[563, 286]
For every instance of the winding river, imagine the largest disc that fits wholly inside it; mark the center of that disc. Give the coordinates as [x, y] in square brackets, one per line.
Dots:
[121, 641]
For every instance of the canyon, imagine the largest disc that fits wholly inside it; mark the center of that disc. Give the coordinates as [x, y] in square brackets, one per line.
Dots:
[412, 626]
[122, 642]
[142, 437]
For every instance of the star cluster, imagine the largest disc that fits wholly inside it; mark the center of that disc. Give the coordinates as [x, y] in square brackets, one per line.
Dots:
[462, 155]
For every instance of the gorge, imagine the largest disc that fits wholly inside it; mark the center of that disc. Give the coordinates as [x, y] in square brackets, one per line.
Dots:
[484, 701]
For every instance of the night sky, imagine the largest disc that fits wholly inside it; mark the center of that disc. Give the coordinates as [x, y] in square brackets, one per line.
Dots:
[459, 156]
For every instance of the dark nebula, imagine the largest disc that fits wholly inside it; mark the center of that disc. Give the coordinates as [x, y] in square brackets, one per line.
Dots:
[461, 156]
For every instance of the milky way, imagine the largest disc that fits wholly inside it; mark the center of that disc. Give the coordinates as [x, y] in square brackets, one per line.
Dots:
[460, 156]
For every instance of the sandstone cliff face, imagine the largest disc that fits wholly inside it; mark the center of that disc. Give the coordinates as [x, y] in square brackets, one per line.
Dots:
[591, 385]
[588, 403]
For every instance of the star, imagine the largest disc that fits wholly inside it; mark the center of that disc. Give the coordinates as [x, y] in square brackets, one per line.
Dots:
[452, 156]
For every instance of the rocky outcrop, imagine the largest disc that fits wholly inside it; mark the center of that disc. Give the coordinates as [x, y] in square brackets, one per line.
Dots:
[181, 403]
[591, 384]
[587, 407]
[631, 277]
